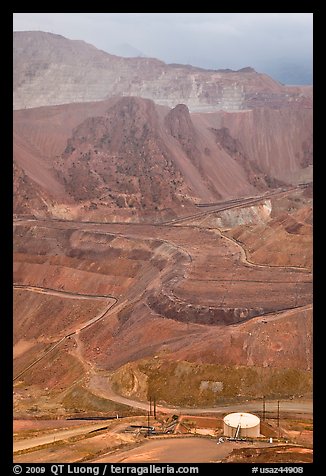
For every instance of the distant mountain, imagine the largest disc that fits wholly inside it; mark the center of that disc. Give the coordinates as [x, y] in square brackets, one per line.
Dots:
[50, 69]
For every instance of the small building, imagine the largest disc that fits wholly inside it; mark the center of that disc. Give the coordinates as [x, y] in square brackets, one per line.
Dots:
[241, 425]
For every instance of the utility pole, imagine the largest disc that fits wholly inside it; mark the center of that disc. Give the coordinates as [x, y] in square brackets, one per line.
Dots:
[278, 417]
[155, 407]
[148, 432]
[264, 408]
[150, 405]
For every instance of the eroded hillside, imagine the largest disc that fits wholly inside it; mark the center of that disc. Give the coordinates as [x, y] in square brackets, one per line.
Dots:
[50, 69]
[127, 159]
[158, 251]
[121, 294]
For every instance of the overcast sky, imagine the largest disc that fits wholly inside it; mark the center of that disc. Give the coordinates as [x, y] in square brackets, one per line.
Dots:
[279, 44]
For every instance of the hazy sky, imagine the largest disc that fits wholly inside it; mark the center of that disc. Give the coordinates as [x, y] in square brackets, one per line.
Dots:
[269, 42]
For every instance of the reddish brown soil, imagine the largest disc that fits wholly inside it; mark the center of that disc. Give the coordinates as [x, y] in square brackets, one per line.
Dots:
[192, 292]
[202, 422]
[279, 454]
[127, 159]
[124, 284]
[286, 240]
[40, 425]
[176, 450]
[261, 135]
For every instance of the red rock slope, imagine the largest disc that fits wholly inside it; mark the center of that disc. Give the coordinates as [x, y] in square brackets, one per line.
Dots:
[127, 158]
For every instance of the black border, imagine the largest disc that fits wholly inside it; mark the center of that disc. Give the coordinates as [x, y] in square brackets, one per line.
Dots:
[7, 245]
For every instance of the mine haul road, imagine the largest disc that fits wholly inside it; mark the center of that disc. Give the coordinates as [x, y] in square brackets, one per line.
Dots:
[112, 301]
[61, 292]
[56, 435]
[212, 208]
[293, 406]
[101, 387]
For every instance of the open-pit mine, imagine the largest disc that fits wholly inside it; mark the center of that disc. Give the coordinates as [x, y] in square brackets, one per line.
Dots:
[162, 258]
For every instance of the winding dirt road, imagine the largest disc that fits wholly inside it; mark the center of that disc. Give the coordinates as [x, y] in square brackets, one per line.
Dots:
[213, 208]
[100, 386]
[230, 204]
[112, 302]
[62, 293]
[57, 435]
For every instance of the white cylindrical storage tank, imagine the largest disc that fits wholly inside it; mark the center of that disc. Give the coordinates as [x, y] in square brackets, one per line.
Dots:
[241, 425]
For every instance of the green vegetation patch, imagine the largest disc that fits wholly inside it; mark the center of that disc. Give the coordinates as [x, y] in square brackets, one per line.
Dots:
[191, 384]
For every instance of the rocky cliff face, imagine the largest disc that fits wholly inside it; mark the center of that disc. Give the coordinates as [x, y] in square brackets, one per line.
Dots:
[50, 69]
[120, 160]
[127, 158]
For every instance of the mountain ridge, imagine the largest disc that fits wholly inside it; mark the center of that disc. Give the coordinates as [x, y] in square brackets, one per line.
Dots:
[50, 69]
